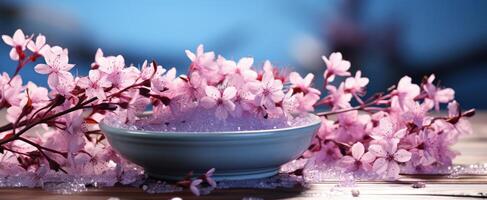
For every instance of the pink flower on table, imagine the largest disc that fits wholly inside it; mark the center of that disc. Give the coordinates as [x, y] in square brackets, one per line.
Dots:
[194, 186]
[356, 84]
[438, 95]
[414, 113]
[461, 127]
[222, 101]
[303, 84]
[388, 130]
[208, 177]
[388, 159]
[327, 129]
[242, 68]
[406, 90]
[351, 127]
[328, 153]
[39, 46]
[18, 43]
[359, 159]
[335, 65]
[94, 84]
[269, 91]
[57, 65]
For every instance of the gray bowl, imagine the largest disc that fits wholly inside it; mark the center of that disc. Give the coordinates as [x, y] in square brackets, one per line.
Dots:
[236, 155]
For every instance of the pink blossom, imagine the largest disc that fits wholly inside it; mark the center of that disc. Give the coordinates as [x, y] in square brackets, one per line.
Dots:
[351, 127]
[327, 129]
[203, 61]
[62, 84]
[193, 86]
[162, 85]
[356, 84]
[388, 130]
[57, 66]
[328, 153]
[414, 113]
[39, 46]
[303, 84]
[94, 84]
[359, 159]
[149, 70]
[335, 65]
[306, 102]
[269, 91]
[244, 99]
[136, 106]
[388, 159]
[113, 67]
[438, 95]
[208, 177]
[10, 90]
[194, 186]
[18, 43]
[339, 98]
[406, 90]
[242, 68]
[222, 101]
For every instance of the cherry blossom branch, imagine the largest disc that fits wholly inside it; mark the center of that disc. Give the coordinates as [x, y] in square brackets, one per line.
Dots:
[44, 120]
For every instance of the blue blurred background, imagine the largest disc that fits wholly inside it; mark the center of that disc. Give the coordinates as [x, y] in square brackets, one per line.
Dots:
[384, 39]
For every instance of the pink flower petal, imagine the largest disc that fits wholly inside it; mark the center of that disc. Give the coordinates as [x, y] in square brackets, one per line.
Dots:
[402, 155]
[245, 63]
[213, 92]
[393, 170]
[367, 157]
[194, 186]
[207, 102]
[229, 93]
[377, 150]
[8, 40]
[380, 166]
[221, 113]
[358, 150]
[19, 36]
[229, 105]
[43, 69]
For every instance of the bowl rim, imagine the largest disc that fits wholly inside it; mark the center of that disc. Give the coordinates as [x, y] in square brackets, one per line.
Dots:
[249, 133]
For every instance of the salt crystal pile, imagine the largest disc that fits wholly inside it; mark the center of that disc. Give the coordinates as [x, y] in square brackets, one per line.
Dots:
[203, 120]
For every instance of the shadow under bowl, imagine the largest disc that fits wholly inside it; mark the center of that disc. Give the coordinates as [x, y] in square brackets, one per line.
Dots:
[236, 155]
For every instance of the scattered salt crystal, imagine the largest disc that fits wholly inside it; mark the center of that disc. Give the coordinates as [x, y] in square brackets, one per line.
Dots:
[418, 184]
[355, 192]
[252, 198]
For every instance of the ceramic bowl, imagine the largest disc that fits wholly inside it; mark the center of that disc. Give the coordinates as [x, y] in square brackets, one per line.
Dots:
[236, 155]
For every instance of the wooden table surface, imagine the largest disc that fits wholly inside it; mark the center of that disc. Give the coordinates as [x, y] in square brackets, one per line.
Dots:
[473, 150]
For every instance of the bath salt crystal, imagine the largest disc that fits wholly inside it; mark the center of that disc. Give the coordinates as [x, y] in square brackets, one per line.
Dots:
[203, 120]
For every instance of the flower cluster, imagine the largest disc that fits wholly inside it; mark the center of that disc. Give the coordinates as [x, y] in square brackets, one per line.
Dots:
[392, 132]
